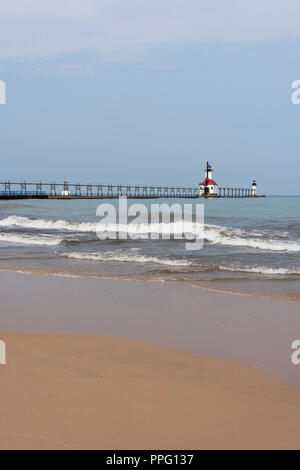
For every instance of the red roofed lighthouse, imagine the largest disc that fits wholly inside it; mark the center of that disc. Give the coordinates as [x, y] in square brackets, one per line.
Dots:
[208, 187]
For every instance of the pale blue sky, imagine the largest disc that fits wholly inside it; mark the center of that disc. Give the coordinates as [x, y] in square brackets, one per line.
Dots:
[148, 93]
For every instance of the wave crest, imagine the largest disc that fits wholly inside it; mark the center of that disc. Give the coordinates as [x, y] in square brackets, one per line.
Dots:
[218, 235]
[240, 238]
[261, 270]
[42, 240]
[125, 258]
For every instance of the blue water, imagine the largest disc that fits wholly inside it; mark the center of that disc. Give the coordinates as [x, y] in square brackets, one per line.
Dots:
[251, 245]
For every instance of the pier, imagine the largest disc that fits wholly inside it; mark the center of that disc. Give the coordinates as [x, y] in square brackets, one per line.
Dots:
[65, 191]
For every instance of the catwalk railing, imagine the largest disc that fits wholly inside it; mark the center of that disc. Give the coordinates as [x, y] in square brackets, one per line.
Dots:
[9, 189]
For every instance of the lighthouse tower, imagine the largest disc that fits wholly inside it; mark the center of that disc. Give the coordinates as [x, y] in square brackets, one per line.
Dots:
[208, 187]
[254, 188]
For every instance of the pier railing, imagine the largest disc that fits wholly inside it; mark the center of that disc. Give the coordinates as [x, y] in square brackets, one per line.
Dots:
[235, 192]
[66, 190]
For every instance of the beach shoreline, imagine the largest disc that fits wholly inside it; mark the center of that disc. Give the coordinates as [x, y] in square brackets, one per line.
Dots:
[108, 364]
[189, 283]
[102, 392]
[255, 331]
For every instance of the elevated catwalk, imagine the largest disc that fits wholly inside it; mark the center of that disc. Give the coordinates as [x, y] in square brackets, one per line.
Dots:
[28, 190]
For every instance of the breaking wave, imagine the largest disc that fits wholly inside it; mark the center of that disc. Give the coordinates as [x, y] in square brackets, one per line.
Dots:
[43, 224]
[20, 239]
[123, 258]
[176, 227]
[261, 270]
[227, 236]
[240, 238]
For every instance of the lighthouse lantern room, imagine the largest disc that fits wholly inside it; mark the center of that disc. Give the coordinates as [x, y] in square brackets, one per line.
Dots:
[208, 187]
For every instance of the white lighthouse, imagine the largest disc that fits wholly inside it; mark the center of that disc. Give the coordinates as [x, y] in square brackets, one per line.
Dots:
[254, 188]
[208, 187]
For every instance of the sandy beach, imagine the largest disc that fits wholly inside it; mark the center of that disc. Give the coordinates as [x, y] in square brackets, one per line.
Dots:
[251, 330]
[82, 392]
[106, 364]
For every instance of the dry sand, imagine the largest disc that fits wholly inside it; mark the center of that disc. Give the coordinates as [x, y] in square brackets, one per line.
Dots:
[71, 392]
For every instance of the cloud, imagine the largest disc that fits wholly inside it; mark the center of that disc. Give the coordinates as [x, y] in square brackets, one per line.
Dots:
[31, 30]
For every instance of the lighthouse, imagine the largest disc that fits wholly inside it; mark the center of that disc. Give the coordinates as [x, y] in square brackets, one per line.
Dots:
[254, 188]
[208, 187]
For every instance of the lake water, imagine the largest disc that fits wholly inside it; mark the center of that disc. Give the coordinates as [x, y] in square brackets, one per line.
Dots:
[251, 245]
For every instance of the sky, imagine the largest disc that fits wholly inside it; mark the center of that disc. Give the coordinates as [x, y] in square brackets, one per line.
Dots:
[146, 91]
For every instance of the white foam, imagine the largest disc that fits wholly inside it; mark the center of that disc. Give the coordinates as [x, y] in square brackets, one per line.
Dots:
[233, 237]
[43, 224]
[228, 236]
[21, 239]
[131, 228]
[123, 258]
[261, 270]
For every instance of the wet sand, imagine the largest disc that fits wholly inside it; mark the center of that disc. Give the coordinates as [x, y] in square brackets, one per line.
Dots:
[93, 392]
[255, 331]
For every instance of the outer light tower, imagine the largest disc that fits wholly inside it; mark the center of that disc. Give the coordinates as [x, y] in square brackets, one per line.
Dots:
[254, 188]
